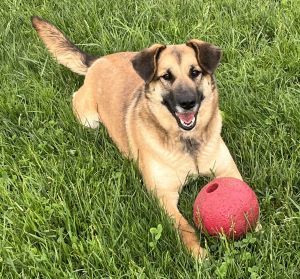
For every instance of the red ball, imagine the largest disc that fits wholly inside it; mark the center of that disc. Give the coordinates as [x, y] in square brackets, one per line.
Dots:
[226, 205]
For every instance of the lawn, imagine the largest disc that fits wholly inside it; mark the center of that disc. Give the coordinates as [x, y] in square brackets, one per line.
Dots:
[72, 207]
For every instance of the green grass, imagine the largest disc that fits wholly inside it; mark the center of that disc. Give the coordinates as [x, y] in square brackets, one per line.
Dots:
[72, 207]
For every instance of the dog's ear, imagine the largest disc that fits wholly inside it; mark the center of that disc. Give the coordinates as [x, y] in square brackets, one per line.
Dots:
[208, 55]
[145, 62]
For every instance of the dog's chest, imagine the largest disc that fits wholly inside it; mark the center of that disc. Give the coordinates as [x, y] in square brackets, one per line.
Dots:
[180, 155]
[190, 145]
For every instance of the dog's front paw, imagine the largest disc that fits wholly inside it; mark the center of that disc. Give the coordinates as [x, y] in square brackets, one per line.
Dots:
[198, 252]
[258, 227]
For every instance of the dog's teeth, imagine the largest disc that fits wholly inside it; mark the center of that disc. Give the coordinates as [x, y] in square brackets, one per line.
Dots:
[187, 124]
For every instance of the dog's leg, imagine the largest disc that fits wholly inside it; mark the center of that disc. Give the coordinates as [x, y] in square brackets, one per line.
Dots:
[229, 169]
[225, 165]
[165, 183]
[216, 159]
[169, 201]
[85, 109]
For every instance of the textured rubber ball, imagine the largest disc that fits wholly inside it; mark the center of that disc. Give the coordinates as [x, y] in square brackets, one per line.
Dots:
[226, 206]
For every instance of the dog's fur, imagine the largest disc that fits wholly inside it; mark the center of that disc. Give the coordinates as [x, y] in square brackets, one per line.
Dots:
[160, 107]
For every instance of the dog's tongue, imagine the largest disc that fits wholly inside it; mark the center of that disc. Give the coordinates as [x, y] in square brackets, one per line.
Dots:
[186, 117]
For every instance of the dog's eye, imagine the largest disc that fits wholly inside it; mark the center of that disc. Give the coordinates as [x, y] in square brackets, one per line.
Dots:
[194, 73]
[167, 76]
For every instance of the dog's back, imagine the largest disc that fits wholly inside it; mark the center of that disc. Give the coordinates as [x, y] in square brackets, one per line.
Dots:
[112, 85]
[106, 95]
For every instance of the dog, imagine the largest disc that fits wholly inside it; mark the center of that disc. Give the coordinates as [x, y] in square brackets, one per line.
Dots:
[159, 106]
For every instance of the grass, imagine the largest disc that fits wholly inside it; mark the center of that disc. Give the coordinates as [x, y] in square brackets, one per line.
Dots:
[72, 207]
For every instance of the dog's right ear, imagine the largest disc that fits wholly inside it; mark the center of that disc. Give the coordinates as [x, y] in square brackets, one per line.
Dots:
[208, 55]
[145, 62]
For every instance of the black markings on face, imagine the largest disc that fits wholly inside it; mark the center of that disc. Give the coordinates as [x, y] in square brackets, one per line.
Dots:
[169, 102]
[213, 82]
[177, 56]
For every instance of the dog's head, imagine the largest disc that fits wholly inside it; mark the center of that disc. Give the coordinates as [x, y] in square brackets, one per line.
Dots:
[179, 77]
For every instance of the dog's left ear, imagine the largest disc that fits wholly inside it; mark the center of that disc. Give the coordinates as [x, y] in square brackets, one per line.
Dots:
[208, 55]
[145, 62]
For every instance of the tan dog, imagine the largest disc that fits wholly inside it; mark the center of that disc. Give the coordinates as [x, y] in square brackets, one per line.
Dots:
[160, 107]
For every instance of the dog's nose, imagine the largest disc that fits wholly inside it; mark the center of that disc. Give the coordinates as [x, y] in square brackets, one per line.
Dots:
[187, 103]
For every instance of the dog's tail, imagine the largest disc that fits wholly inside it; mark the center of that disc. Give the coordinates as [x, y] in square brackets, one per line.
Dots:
[61, 48]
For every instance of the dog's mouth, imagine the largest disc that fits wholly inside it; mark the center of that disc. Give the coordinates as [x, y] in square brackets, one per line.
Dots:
[186, 120]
